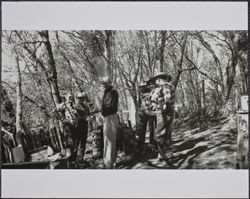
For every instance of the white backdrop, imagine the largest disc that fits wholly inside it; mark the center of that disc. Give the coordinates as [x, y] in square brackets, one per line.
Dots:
[125, 183]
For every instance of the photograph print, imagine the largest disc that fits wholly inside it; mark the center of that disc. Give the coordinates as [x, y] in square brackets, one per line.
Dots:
[134, 99]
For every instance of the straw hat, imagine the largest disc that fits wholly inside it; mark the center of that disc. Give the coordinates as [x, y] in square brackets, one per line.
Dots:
[81, 95]
[160, 75]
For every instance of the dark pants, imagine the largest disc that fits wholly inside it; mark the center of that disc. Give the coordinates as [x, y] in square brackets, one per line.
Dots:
[141, 127]
[76, 137]
[82, 134]
[162, 121]
[152, 124]
[163, 132]
[142, 119]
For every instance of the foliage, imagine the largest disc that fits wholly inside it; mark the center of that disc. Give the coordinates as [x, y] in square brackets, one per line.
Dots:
[53, 63]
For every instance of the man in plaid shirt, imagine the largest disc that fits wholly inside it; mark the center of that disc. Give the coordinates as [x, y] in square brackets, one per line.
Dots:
[70, 123]
[157, 102]
[162, 102]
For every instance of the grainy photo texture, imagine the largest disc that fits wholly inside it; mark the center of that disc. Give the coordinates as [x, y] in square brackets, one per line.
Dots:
[124, 99]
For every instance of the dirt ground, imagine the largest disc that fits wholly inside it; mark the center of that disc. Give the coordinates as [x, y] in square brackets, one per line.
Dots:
[210, 144]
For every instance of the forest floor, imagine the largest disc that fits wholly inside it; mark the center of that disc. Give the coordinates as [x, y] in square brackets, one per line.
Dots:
[197, 144]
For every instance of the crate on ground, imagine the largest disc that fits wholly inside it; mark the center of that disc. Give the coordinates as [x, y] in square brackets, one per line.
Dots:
[40, 154]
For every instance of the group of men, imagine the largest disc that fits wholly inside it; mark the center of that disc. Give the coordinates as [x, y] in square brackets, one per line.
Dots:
[74, 122]
[157, 105]
[76, 116]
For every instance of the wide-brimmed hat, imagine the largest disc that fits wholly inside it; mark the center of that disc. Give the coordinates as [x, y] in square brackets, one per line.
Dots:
[161, 75]
[81, 95]
[143, 83]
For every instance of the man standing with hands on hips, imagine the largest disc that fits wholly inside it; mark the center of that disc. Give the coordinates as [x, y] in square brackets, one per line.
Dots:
[110, 122]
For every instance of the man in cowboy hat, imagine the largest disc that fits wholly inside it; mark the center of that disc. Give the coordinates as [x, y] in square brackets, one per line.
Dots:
[159, 104]
[163, 97]
[82, 127]
[110, 122]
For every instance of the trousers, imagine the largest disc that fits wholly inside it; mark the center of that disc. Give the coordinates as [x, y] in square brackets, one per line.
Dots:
[162, 131]
[110, 125]
[142, 119]
[76, 137]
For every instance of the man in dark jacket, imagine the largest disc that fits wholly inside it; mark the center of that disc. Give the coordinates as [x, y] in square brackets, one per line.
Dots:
[110, 123]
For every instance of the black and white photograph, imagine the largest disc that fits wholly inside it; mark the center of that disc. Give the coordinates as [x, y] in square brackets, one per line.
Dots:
[124, 99]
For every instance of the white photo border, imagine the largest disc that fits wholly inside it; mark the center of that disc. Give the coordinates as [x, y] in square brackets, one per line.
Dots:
[125, 183]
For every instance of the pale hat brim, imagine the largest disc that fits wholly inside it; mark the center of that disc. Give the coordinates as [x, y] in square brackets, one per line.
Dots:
[161, 76]
[81, 95]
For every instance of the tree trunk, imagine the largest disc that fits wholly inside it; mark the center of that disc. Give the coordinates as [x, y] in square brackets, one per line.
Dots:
[244, 72]
[163, 44]
[148, 51]
[202, 97]
[73, 76]
[242, 52]
[184, 100]
[193, 86]
[51, 75]
[19, 113]
[108, 52]
[233, 62]
[180, 62]
[231, 72]
[51, 71]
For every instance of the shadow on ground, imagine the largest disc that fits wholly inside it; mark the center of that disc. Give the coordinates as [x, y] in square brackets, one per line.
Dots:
[210, 144]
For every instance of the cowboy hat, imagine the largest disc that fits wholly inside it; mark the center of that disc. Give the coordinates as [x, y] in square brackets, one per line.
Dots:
[161, 75]
[81, 95]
